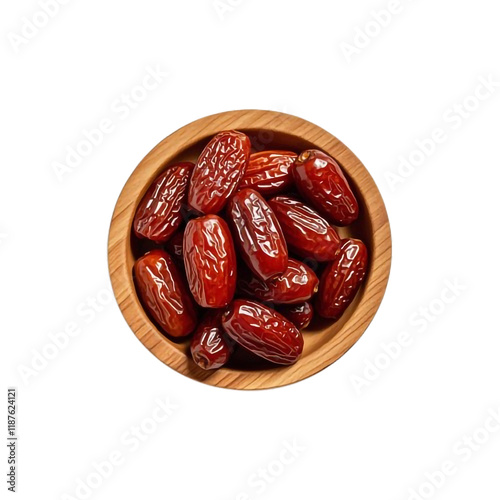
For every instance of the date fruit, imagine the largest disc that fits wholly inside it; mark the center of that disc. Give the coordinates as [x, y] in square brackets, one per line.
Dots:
[160, 211]
[300, 315]
[341, 279]
[263, 331]
[257, 234]
[164, 294]
[269, 172]
[307, 233]
[320, 180]
[210, 347]
[210, 261]
[297, 284]
[218, 171]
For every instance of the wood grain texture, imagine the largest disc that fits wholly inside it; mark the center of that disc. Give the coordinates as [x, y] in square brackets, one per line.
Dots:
[324, 344]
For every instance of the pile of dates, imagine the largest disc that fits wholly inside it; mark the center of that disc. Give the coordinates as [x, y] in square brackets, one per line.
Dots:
[231, 236]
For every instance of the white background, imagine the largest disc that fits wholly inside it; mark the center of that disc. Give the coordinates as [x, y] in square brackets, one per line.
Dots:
[378, 441]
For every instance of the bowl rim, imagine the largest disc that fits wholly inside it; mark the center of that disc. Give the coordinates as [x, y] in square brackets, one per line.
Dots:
[120, 258]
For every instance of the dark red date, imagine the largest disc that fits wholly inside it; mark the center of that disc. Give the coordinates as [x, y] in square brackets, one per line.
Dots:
[320, 180]
[160, 211]
[300, 315]
[218, 171]
[269, 172]
[210, 347]
[210, 261]
[263, 331]
[341, 279]
[164, 293]
[297, 284]
[307, 233]
[257, 234]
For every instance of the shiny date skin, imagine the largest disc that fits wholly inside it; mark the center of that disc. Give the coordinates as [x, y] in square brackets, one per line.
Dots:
[210, 261]
[297, 284]
[320, 180]
[300, 315]
[164, 293]
[341, 279]
[218, 171]
[257, 234]
[263, 331]
[160, 211]
[269, 172]
[210, 347]
[307, 233]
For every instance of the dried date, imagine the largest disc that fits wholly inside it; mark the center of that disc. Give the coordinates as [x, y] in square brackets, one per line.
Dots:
[297, 284]
[263, 331]
[257, 234]
[341, 279]
[269, 172]
[210, 347]
[160, 211]
[307, 234]
[210, 261]
[164, 293]
[320, 180]
[218, 171]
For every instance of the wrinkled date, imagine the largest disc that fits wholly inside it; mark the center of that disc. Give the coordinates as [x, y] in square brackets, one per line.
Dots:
[164, 294]
[257, 234]
[210, 261]
[218, 171]
[269, 172]
[300, 315]
[263, 331]
[341, 279]
[160, 211]
[210, 347]
[297, 284]
[320, 180]
[306, 232]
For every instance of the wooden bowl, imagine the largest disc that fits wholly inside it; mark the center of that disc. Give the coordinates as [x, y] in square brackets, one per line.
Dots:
[324, 342]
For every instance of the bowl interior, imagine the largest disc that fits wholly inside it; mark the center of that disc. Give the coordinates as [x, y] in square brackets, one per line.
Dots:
[324, 341]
